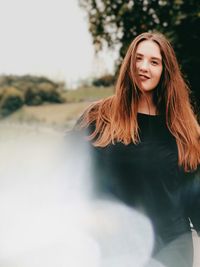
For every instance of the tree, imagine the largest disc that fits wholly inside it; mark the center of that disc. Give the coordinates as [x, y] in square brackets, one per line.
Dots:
[116, 22]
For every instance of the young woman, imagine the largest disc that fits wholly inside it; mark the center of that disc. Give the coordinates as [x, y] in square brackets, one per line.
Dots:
[145, 142]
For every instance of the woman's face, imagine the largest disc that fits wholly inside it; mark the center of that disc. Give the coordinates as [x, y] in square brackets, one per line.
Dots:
[149, 65]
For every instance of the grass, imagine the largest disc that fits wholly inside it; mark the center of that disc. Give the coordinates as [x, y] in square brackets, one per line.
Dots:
[87, 94]
[59, 116]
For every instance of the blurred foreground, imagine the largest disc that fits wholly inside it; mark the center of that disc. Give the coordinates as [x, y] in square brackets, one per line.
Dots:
[48, 218]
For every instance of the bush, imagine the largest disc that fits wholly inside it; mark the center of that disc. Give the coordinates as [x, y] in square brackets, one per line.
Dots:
[11, 100]
[35, 90]
[1, 92]
[32, 97]
[43, 92]
[106, 80]
[49, 93]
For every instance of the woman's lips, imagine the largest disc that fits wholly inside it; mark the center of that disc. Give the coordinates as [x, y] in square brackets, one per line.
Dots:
[144, 77]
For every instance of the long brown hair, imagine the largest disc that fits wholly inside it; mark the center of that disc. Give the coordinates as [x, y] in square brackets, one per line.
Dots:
[115, 117]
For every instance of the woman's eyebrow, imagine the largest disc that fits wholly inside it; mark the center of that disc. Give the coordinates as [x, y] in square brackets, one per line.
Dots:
[155, 58]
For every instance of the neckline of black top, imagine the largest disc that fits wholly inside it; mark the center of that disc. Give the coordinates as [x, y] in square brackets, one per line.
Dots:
[144, 115]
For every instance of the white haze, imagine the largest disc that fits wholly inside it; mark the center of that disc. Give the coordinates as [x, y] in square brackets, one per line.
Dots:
[48, 217]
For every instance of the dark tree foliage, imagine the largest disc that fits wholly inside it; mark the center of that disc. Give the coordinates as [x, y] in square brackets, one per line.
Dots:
[117, 22]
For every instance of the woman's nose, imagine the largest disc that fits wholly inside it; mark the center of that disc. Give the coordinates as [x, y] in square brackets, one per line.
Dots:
[144, 65]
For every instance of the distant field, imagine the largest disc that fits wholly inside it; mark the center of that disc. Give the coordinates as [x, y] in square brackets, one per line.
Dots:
[88, 94]
[58, 116]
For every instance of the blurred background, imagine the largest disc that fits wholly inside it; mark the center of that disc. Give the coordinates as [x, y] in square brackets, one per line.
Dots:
[57, 56]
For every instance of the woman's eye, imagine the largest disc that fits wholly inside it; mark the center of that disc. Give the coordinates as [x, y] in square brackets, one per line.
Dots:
[138, 58]
[154, 63]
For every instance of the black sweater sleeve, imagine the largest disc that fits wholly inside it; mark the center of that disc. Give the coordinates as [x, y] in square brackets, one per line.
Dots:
[192, 199]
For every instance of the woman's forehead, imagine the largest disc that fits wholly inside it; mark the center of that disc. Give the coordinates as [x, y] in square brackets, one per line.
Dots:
[149, 48]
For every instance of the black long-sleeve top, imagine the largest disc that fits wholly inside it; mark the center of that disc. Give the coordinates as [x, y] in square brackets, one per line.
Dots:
[147, 177]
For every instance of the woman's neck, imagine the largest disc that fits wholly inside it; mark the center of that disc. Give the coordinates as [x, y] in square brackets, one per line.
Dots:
[146, 105]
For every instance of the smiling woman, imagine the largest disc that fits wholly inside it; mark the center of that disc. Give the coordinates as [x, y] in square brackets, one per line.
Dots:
[149, 69]
[149, 64]
[145, 146]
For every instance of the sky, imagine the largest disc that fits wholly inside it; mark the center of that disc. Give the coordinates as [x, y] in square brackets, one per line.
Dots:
[51, 38]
